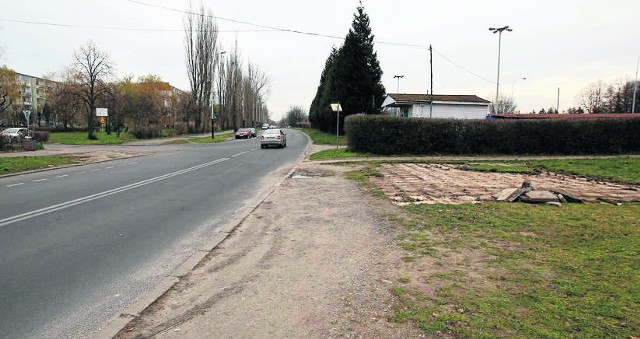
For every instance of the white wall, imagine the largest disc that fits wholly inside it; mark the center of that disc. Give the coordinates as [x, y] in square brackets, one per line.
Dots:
[449, 110]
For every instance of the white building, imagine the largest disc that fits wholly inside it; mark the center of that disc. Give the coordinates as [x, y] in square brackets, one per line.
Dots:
[436, 106]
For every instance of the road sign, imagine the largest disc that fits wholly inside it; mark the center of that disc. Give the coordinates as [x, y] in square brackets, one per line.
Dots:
[102, 120]
[102, 112]
[27, 114]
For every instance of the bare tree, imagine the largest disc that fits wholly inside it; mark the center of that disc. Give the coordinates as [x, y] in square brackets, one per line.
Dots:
[65, 100]
[92, 68]
[505, 105]
[259, 83]
[592, 97]
[295, 115]
[200, 42]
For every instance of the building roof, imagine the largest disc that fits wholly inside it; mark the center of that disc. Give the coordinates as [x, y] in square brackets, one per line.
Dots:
[400, 97]
[566, 116]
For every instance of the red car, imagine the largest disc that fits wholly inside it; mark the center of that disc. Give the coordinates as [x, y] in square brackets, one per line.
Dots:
[244, 133]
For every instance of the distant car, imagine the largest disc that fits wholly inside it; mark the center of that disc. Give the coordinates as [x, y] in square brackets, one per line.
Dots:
[253, 132]
[265, 126]
[273, 137]
[14, 134]
[243, 133]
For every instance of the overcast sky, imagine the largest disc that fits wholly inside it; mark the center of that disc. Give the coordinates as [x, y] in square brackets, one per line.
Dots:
[564, 44]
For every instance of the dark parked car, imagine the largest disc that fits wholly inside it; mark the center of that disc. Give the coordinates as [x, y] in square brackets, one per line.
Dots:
[244, 133]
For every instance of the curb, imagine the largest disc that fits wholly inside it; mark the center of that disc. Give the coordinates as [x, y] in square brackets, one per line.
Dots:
[131, 312]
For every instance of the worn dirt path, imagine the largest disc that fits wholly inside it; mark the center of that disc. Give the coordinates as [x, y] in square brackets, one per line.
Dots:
[315, 259]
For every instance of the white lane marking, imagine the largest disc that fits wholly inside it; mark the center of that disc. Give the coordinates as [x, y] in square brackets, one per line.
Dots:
[14, 185]
[71, 203]
[239, 154]
[109, 167]
[40, 180]
[62, 176]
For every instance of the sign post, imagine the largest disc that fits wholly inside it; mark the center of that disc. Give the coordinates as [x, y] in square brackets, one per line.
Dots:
[103, 113]
[27, 114]
[337, 108]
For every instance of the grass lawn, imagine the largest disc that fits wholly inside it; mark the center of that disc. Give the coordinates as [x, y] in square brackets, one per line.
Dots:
[80, 138]
[322, 138]
[520, 270]
[623, 169]
[21, 164]
[517, 270]
[218, 138]
[341, 153]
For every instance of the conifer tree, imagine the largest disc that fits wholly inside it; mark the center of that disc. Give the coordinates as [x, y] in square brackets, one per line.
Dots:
[352, 76]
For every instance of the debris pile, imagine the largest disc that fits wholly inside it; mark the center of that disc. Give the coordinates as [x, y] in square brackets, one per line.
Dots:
[526, 193]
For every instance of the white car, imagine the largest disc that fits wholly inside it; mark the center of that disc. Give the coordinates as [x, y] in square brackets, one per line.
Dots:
[265, 126]
[273, 137]
[14, 134]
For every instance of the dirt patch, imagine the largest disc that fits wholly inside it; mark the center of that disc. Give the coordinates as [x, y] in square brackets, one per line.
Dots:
[316, 259]
[100, 156]
[410, 183]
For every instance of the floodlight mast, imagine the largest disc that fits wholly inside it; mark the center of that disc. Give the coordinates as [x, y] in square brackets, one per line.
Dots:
[499, 31]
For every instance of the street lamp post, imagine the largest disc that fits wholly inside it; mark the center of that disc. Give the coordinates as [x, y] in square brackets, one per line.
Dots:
[513, 82]
[398, 89]
[499, 31]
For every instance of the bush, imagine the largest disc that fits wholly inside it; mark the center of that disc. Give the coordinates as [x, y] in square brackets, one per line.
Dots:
[181, 128]
[395, 135]
[41, 135]
[147, 132]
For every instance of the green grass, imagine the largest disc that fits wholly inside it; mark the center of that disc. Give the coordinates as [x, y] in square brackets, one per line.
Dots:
[21, 164]
[218, 138]
[624, 169]
[80, 138]
[546, 272]
[322, 138]
[340, 153]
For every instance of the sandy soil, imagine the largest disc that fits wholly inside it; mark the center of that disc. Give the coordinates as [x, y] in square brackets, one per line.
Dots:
[316, 259]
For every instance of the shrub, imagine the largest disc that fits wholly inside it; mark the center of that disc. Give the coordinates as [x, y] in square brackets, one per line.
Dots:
[181, 128]
[41, 135]
[395, 135]
[147, 132]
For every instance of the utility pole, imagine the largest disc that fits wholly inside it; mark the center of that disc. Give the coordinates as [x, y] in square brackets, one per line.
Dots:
[499, 31]
[431, 72]
[635, 88]
[558, 102]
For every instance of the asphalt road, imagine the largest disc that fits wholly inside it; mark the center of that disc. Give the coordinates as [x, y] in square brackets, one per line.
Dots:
[77, 245]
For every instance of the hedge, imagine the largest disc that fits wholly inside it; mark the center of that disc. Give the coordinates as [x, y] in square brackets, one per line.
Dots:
[418, 136]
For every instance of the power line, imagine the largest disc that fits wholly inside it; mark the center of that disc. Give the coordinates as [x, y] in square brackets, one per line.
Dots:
[122, 28]
[264, 28]
[309, 33]
[462, 68]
